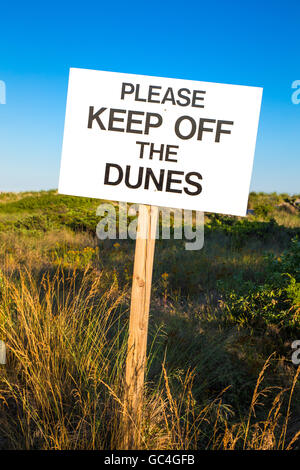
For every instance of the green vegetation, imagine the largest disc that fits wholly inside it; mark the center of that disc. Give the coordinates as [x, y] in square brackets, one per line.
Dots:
[222, 321]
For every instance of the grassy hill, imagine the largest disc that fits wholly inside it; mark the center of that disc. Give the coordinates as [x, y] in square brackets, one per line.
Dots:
[217, 315]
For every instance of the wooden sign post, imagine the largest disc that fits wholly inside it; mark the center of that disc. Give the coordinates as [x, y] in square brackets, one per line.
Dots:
[169, 142]
[138, 324]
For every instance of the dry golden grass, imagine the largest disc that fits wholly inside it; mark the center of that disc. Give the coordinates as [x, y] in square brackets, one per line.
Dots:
[63, 316]
[62, 385]
[59, 351]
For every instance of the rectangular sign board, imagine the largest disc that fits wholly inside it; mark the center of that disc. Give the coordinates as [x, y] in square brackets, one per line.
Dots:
[161, 141]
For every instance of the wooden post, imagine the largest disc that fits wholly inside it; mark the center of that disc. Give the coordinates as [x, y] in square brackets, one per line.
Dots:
[138, 324]
[2, 352]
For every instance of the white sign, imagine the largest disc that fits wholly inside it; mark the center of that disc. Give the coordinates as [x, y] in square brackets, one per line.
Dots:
[160, 141]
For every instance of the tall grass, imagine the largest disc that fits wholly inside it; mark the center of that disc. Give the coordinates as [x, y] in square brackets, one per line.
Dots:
[64, 338]
[62, 385]
[64, 312]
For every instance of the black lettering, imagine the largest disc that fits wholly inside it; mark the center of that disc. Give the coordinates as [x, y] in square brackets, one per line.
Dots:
[131, 121]
[137, 91]
[160, 151]
[107, 170]
[204, 129]
[140, 178]
[222, 131]
[149, 124]
[171, 180]
[124, 92]
[151, 93]
[177, 125]
[193, 183]
[96, 115]
[166, 97]
[196, 98]
[169, 152]
[158, 184]
[186, 98]
[142, 144]
[112, 118]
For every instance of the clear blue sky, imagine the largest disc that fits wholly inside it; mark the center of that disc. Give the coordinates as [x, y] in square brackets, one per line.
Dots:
[240, 42]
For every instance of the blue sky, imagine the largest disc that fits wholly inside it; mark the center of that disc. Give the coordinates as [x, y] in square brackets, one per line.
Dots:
[247, 43]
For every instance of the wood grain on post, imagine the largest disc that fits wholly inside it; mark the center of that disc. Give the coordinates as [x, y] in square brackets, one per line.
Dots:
[138, 324]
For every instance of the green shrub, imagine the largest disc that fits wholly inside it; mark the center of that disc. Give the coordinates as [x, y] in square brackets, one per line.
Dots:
[277, 301]
[263, 210]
